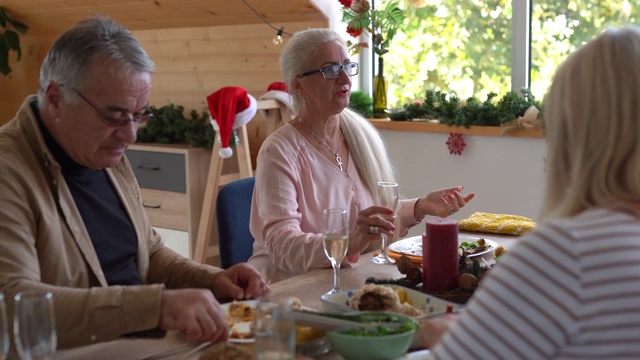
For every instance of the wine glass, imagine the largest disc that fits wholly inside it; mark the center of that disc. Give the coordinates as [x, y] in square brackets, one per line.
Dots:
[387, 197]
[34, 327]
[335, 240]
[4, 329]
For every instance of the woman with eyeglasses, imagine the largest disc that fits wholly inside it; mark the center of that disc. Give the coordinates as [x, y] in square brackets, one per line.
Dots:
[328, 156]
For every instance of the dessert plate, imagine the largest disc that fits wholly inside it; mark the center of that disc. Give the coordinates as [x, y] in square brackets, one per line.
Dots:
[413, 245]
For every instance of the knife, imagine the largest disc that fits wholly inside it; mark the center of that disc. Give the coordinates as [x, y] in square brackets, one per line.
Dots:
[329, 321]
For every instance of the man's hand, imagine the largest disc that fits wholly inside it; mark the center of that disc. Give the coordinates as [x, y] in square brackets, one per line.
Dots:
[239, 282]
[195, 313]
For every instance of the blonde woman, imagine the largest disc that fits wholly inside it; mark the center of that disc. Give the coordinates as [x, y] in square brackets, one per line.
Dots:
[327, 157]
[571, 289]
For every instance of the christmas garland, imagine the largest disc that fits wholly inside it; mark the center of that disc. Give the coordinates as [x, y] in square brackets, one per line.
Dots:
[170, 126]
[449, 109]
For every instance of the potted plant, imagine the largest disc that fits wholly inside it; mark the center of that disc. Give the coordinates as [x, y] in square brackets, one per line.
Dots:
[9, 39]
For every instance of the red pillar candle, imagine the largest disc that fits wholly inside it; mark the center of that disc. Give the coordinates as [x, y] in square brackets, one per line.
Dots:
[440, 255]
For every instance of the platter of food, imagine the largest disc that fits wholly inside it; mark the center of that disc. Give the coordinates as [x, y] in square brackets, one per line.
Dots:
[240, 314]
[239, 317]
[476, 246]
[405, 301]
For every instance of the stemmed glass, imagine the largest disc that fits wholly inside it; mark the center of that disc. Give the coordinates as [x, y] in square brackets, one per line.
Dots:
[387, 197]
[4, 330]
[335, 240]
[34, 326]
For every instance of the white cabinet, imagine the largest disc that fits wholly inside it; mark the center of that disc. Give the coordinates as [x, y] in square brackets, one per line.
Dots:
[172, 180]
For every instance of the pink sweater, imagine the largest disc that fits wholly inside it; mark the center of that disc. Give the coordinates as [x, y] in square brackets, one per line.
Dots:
[294, 183]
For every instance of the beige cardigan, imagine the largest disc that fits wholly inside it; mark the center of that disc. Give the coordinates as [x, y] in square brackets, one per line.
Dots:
[44, 245]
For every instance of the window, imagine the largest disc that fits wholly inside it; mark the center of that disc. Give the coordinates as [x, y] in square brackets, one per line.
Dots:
[560, 27]
[453, 46]
[475, 47]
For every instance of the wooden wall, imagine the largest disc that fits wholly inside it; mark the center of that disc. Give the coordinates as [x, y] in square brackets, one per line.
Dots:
[191, 63]
[23, 79]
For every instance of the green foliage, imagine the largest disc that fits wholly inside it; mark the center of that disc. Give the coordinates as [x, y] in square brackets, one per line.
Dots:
[465, 46]
[382, 24]
[449, 109]
[362, 103]
[9, 39]
[170, 126]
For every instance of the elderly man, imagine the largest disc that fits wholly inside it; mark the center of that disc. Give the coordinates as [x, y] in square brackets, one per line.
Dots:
[71, 219]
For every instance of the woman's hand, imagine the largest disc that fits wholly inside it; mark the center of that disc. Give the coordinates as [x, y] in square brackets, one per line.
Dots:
[442, 203]
[370, 224]
[431, 330]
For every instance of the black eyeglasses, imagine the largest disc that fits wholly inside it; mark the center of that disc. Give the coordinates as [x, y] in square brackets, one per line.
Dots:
[114, 122]
[333, 72]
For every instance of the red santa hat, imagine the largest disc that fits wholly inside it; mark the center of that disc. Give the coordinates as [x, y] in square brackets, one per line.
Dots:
[230, 107]
[278, 91]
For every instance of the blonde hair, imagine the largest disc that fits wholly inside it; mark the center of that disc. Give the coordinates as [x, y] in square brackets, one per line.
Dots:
[592, 119]
[367, 149]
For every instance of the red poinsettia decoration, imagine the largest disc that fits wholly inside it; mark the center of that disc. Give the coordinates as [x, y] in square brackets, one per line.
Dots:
[353, 32]
[380, 24]
[456, 144]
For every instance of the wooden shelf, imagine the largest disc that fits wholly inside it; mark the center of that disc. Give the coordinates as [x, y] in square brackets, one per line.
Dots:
[432, 127]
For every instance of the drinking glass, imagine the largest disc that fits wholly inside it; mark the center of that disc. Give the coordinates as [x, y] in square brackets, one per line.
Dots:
[335, 240]
[388, 197]
[34, 327]
[275, 331]
[4, 330]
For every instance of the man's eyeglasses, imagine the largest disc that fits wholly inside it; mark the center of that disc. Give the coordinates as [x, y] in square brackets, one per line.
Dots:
[333, 72]
[114, 122]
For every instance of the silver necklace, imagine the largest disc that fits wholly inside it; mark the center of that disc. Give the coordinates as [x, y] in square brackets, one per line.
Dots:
[336, 153]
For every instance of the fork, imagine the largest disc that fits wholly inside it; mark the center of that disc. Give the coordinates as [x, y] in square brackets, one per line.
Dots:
[166, 353]
[196, 349]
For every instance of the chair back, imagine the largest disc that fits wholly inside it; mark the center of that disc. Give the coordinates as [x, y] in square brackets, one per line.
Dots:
[233, 209]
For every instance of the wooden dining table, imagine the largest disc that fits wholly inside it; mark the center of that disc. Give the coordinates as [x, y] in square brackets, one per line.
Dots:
[307, 287]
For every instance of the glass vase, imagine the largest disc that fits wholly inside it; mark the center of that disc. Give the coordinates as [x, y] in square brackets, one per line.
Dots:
[380, 91]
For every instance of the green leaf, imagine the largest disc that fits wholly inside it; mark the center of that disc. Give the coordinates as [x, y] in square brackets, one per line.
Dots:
[3, 17]
[11, 39]
[6, 20]
[5, 69]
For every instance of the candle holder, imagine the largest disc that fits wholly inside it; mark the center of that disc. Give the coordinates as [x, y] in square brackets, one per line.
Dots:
[440, 255]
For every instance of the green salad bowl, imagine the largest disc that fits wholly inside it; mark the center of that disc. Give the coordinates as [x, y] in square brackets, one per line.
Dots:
[385, 343]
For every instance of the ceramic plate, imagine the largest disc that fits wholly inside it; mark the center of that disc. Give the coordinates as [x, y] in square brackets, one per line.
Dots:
[429, 305]
[416, 355]
[413, 245]
[243, 326]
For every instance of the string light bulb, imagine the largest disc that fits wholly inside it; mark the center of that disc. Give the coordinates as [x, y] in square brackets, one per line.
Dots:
[278, 40]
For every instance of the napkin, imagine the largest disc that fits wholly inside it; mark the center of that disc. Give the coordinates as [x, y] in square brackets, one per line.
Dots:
[497, 223]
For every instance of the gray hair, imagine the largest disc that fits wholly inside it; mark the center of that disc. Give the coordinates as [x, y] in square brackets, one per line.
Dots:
[593, 133]
[68, 60]
[367, 149]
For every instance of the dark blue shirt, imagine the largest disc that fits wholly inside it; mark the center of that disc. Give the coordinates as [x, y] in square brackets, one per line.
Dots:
[105, 218]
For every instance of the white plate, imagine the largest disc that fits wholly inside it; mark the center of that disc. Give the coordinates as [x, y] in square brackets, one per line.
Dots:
[244, 326]
[416, 355]
[428, 304]
[413, 245]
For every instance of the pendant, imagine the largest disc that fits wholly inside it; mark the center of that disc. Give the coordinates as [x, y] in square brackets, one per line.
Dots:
[339, 161]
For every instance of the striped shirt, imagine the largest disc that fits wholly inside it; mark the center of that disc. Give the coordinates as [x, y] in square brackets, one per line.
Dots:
[569, 290]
